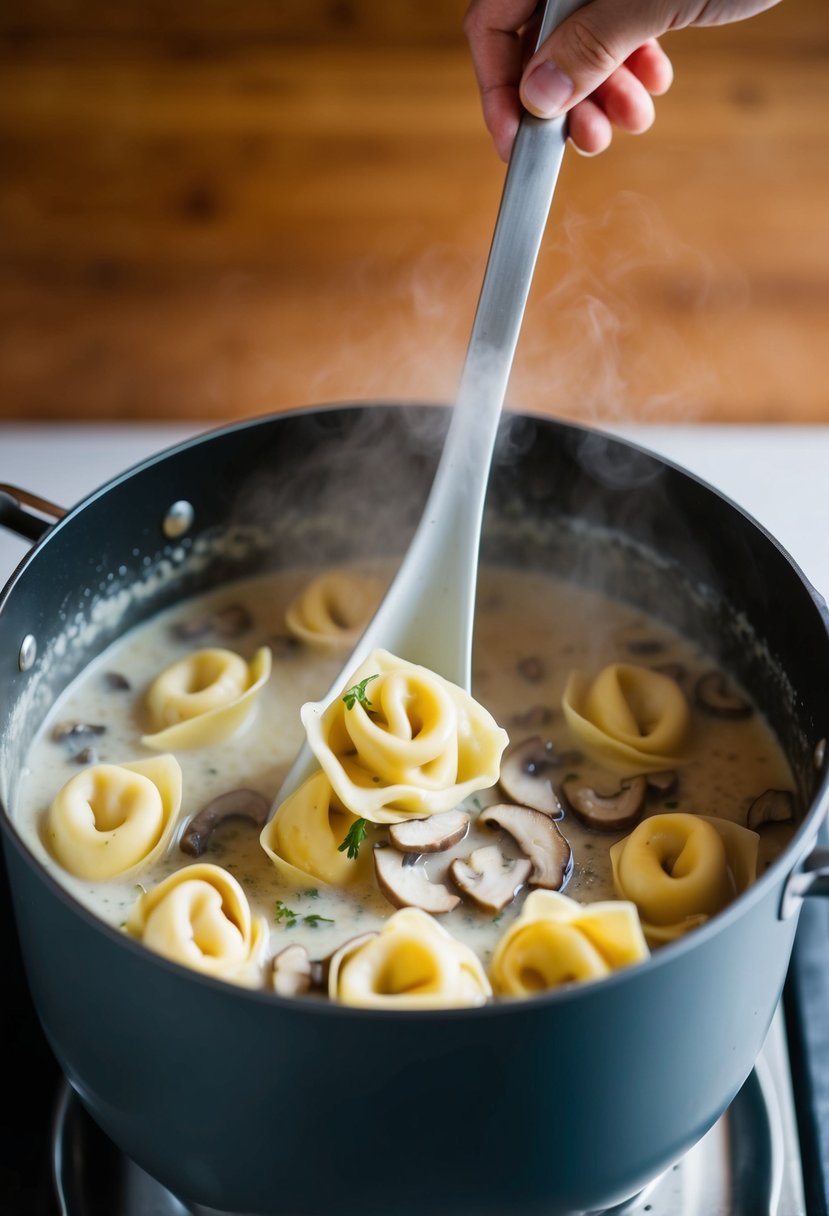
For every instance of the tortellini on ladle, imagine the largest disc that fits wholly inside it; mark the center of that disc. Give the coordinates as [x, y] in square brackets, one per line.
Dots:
[305, 837]
[112, 819]
[680, 869]
[200, 917]
[402, 741]
[629, 717]
[557, 941]
[332, 611]
[412, 963]
[204, 698]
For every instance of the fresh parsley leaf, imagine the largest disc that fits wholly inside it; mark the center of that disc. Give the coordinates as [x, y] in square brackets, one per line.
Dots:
[354, 838]
[311, 893]
[314, 919]
[285, 915]
[358, 693]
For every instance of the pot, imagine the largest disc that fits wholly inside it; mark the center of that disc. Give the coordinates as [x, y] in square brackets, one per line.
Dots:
[246, 1102]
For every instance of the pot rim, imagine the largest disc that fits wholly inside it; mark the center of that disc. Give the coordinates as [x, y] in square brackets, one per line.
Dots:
[780, 869]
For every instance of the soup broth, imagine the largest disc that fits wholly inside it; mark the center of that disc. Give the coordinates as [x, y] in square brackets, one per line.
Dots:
[532, 632]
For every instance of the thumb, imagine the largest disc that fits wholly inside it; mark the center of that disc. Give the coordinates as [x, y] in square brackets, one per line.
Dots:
[584, 50]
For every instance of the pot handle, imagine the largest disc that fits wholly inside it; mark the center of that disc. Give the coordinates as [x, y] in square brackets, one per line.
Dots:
[15, 516]
[810, 877]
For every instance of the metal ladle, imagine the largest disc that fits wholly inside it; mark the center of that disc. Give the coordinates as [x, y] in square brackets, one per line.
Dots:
[427, 614]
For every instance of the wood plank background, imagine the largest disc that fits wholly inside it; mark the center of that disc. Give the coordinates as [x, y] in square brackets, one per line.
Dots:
[212, 210]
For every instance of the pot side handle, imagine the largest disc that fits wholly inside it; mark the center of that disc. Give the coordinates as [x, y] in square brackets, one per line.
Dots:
[27, 514]
[810, 877]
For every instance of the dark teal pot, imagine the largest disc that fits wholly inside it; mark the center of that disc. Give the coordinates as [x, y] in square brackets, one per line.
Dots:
[249, 1103]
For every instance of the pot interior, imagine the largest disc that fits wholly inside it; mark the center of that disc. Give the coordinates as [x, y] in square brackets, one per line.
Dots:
[339, 483]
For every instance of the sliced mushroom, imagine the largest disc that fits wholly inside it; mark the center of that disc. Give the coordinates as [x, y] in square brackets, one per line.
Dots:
[716, 696]
[607, 812]
[645, 646]
[674, 671]
[525, 774]
[232, 621]
[490, 879]
[235, 804]
[291, 971]
[772, 806]
[534, 718]
[539, 839]
[407, 885]
[69, 732]
[116, 682]
[664, 782]
[431, 835]
[320, 967]
[531, 668]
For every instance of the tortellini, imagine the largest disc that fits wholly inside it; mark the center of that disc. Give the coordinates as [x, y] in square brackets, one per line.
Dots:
[402, 741]
[304, 837]
[200, 917]
[332, 611]
[412, 963]
[630, 717]
[112, 819]
[205, 697]
[680, 869]
[557, 940]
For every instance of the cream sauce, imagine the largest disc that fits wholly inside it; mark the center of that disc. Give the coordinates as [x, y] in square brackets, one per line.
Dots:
[531, 632]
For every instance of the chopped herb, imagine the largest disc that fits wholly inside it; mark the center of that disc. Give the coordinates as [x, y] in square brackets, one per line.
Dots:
[354, 838]
[672, 805]
[313, 920]
[476, 802]
[285, 915]
[311, 893]
[358, 693]
[496, 920]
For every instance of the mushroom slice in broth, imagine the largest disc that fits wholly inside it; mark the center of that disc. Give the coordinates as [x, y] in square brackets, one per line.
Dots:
[432, 835]
[490, 879]
[235, 804]
[538, 838]
[614, 812]
[525, 774]
[407, 885]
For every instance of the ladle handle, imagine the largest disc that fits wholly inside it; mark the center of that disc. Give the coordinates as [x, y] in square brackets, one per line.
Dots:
[436, 630]
[449, 531]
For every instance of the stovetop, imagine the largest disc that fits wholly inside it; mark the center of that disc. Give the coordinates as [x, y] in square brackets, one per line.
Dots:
[768, 1156]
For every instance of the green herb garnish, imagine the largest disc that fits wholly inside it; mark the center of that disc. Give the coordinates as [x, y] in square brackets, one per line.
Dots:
[354, 838]
[358, 693]
[285, 915]
[313, 920]
[311, 893]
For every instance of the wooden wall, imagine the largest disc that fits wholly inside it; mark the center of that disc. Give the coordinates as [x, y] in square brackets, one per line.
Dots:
[217, 209]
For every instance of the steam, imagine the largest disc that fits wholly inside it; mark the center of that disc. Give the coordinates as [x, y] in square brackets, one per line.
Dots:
[628, 292]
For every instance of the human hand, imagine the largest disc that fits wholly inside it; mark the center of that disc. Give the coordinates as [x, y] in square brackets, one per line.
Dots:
[602, 66]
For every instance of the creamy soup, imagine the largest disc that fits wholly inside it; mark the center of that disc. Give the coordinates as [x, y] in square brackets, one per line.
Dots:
[532, 632]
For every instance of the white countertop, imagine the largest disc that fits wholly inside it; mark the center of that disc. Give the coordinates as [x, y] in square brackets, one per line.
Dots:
[777, 474]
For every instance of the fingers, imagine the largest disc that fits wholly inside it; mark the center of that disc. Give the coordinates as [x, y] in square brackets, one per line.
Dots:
[494, 32]
[585, 50]
[623, 101]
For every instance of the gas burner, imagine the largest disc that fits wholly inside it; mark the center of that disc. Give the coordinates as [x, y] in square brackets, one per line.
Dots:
[746, 1165]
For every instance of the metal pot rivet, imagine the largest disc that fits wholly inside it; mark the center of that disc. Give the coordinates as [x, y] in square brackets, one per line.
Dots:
[179, 519]
[27, 653]
[819, 754]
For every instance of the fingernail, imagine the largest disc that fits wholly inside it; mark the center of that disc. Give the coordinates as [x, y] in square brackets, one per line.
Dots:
[547, 90]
